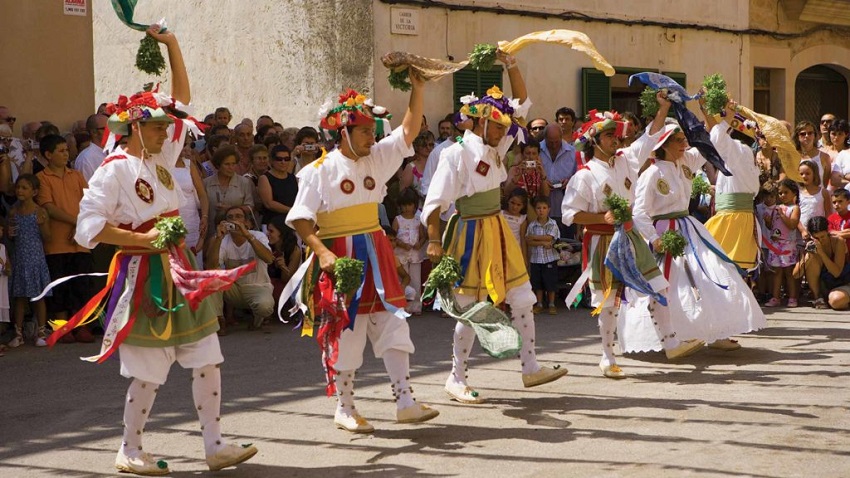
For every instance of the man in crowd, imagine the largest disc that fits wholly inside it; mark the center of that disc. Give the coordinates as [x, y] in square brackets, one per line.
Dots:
[825, 122]
[559, 162]
[244, 140]
[91, 157]
[445, 129]
[235, 245]
[566, 118]
[537, 128]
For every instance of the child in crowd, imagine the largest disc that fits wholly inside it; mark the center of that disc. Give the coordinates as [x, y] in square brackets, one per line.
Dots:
[410, 239]
[543, 268]
[814, 199]
[839, 221]
[409, 293]
[765, 210]
[783, 223]
[515, 216]
[29, 228]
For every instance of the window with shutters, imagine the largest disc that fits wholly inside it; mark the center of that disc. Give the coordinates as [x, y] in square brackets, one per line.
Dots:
[606, 93]
[469, 80]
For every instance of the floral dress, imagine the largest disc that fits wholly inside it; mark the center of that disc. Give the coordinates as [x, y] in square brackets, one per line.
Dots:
[29, 267]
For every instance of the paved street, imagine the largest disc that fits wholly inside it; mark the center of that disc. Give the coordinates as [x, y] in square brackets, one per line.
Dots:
[776, 408]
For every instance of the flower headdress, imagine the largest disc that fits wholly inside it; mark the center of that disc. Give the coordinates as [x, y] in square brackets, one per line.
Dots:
[143, 106]
[495, 106]
[353, 109]
[740, 124]
[596, 123]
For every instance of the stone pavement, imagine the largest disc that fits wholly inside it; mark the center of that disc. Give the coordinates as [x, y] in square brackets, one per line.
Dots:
[776, 408]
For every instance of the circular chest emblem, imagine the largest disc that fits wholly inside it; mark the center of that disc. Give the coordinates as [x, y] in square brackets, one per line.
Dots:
[369, 183]
[347, 186]
[164, 177]
[144, 190]
[689, 175]
[663, 187]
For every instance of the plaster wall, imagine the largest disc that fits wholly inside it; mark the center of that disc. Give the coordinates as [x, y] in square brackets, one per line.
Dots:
[553, 73]
[46, 63]
[282, 58]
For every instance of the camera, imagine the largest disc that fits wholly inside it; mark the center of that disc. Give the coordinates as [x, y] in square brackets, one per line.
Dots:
[3, 149]
[811, 246]
[531, 164]
[229, 226]
[311, 147]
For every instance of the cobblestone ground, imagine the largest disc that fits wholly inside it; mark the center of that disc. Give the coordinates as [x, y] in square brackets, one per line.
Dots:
[776, 408]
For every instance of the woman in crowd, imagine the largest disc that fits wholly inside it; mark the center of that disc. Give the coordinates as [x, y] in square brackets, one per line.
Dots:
[825, 266]
[806, 141]
[838, 134]
[411, 175]
[278, 187]
[287, 254]
[226, 188]
[193, 205]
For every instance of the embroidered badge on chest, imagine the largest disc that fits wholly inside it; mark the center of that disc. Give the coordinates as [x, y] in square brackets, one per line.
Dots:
[347, 186]
[144, 190]
[663, 187]
[607, 189]
[482, 168]
[628, 184]
[369, 183]
[164, 177]
[689, 175]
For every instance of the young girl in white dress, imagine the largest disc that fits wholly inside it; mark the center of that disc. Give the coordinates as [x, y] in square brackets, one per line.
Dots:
[516, 217]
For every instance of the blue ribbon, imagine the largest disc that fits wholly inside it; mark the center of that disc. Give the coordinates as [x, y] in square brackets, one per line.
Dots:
[620, 259]
[682, 222]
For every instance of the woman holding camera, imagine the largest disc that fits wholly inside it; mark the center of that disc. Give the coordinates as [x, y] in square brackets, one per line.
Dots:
[824, 263]
[278, 187]
[226, 188]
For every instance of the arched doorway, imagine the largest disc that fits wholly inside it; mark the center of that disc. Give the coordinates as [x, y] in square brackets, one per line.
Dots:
[818, 90]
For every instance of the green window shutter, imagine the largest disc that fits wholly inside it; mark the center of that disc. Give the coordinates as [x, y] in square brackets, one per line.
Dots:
[469, 80]
[595, 90]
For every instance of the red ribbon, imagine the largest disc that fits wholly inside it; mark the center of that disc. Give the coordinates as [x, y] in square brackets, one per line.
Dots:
[335, 321]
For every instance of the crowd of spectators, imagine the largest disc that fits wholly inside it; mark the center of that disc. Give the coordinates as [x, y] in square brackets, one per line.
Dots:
[240, 180]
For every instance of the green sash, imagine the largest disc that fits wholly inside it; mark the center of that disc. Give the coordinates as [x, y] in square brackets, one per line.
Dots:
[484, 203]
[734, 202]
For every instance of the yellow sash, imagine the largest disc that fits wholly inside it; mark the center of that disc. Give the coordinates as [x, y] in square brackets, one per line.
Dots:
[359, 219]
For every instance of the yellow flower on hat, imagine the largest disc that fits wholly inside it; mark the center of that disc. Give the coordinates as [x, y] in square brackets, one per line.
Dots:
[349, 102]
[359, 99]
[123, 116]
[495, 93]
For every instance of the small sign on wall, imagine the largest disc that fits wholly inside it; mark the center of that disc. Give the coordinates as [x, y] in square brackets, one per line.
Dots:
[404, 21]
[75, 7]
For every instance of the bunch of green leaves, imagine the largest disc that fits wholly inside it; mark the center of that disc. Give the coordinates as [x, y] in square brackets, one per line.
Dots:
[715, 93]
[648, 102]
[399, 80]
[673, 243]
[700, 186]
[171, 232]
[149, 58]
[483, 56]
[445, 275]
[619, 206]
[348, 274]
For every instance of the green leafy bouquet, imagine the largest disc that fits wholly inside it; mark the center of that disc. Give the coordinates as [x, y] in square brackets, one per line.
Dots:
[619, 206]
[171, 231]
[348, 274]
[648, 102]
[715, 93]
[149, 58]
[700, 187]
[483, 56]
[673, 243]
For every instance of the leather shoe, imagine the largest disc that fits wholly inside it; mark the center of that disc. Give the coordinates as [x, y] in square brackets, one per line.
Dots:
[725, 344]
[416, 413]
[612, 371]
[463, 393]
[230, 455]
[353, 423]
[544, 375]
[143, 464]
[684, 349]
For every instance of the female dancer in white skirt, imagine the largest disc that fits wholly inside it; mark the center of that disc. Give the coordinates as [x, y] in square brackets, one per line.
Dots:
[707, 300]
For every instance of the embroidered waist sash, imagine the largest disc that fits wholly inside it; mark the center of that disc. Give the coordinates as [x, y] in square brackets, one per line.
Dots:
[485, 203]
[739, 202]
[348, 221]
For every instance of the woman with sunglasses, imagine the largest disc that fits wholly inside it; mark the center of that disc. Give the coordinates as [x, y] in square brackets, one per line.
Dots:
[278, 186]
[411, 175]
[805, 138]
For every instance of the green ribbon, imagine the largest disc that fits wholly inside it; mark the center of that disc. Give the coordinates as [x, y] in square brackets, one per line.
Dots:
[157, 278]
[125, 9]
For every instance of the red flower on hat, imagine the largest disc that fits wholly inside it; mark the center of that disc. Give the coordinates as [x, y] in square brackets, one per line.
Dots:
[347, 94]
[495, 114]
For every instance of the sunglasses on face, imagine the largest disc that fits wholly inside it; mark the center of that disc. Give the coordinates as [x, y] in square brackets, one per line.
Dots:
[537, 128]
[803, 134]
[281, 158]
[826, 121]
